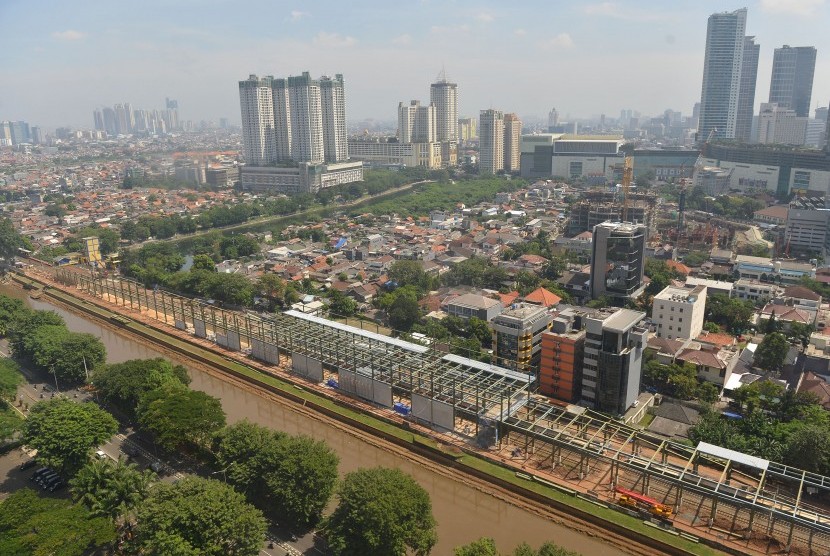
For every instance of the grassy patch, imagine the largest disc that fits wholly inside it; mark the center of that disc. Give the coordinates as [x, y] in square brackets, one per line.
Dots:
[646, 420]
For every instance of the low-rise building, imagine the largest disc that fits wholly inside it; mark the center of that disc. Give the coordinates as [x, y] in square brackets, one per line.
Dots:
[678, 312]
[473, 305]
[305, 178]
[755, 290]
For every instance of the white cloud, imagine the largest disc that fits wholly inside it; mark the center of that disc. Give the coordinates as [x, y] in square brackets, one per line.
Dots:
[69, 35]
[402, 39]
[561, 41]
[334, 40]
[297, 15]
[520, 32]
[485, 17]
[448, 29]
[792, 7]
[613, 10]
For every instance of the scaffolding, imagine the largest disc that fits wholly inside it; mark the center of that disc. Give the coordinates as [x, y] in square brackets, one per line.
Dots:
[496, 409]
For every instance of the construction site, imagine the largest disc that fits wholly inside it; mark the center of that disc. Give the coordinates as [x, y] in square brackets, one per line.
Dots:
[703, 492]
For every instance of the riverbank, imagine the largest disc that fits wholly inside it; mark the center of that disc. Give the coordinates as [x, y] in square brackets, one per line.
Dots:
[580, 514]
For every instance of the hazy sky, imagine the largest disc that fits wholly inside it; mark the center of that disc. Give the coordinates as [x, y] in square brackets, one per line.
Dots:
[60, 60]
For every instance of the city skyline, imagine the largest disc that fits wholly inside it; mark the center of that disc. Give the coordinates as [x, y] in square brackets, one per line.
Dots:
[584, 59]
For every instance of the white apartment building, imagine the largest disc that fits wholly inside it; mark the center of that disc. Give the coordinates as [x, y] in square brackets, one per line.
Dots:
[491, 141]
[293, 119]
[444, 95]
[380, 152]
[416, 123]
[257, 120]
[781, 126]
[512, 142]
[678, 312]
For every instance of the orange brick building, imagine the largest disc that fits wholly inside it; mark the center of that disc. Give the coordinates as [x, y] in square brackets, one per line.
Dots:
[560, 370]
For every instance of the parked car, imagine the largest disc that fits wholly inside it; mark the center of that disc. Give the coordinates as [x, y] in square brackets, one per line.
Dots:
[57, 486]
[38, 473]
[46, 479]
[48, 485]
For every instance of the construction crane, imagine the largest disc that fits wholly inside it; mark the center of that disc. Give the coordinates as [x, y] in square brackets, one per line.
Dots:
[628, 175]
[637, 501]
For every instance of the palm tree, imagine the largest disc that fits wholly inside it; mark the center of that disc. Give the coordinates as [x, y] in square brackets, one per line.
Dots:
[111, 489]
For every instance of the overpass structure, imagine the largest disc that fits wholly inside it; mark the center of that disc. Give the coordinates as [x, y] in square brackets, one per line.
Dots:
[495, 409]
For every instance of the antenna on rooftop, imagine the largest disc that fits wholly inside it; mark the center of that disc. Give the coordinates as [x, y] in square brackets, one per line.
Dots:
[442, 76]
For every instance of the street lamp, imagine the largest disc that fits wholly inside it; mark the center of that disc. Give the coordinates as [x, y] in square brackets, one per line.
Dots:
[224, 471]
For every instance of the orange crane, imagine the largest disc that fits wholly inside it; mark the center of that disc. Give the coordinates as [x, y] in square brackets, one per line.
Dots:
[638, 501]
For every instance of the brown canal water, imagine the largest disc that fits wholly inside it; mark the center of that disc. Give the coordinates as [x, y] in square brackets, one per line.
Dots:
[462, 512]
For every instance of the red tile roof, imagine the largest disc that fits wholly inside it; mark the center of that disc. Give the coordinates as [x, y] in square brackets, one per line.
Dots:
[543, 297]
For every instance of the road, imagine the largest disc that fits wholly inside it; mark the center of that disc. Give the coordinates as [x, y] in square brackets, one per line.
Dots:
[131, 445]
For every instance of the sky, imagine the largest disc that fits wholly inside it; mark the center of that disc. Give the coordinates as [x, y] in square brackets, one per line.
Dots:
[61, 60]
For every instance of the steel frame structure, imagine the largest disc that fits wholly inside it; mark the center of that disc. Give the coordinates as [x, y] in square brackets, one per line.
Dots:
[677, 472]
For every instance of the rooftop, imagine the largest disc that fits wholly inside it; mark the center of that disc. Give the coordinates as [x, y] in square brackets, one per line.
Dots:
[623, 319]
[671, 293]
[474, 301]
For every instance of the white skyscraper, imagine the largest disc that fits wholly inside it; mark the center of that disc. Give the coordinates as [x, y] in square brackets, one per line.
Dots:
[512, 140]
[295, 118]
[444, 95]
[257, 120]
[491, 141]
[416, 123]
[333, 101]
[722, 67]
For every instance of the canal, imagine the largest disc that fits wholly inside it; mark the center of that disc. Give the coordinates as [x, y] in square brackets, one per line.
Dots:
[463, 513]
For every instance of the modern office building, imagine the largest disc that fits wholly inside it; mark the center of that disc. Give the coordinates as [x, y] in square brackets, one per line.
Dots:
[722, 69]
[596, 159]
[444, 96]
[791, 85]
[517, 337]
[778, 125]
[779, 169]
[746, 94]
[618, 260]
[306, 177]
[491, 141]
[416, 123]
[612, 364]
[560, 366]
[678, 312]
[807, 225]
[512, 142]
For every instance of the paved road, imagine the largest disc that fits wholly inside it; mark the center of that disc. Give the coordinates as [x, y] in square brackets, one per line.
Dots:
[128, 441]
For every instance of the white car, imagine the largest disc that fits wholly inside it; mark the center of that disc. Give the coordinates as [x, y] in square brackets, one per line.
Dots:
[101, 454]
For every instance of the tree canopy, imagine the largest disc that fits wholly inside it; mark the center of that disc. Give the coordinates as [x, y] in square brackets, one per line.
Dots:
[64, 432]
[772, 352]
[732, 313]
[179, 417]
[10, 241]
[124, 384]
[382, 512]
[289, 478]
[35, 525]
[199, 516]
[111, 488]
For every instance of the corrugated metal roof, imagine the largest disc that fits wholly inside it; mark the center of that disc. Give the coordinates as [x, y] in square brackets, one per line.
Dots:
[732, 455]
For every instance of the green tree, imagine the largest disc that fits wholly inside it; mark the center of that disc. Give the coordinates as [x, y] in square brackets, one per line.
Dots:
[708, 392]
[382, 512]
[772, 352]
[35, 525]
[10, 380]
[11, 309]
[24, 327]
[340, 304]
[404, 312]
[484, 546]
[111, 488]
[802, 332]
[203, 262]
[809, 448]
[235, 289]
[771, 325]
[290, 478]
[551, 549]
[410, 273]
[199, 516]
[10, 241]
[64, 432]
[732, 313]
[124, 384]
[179, 417]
